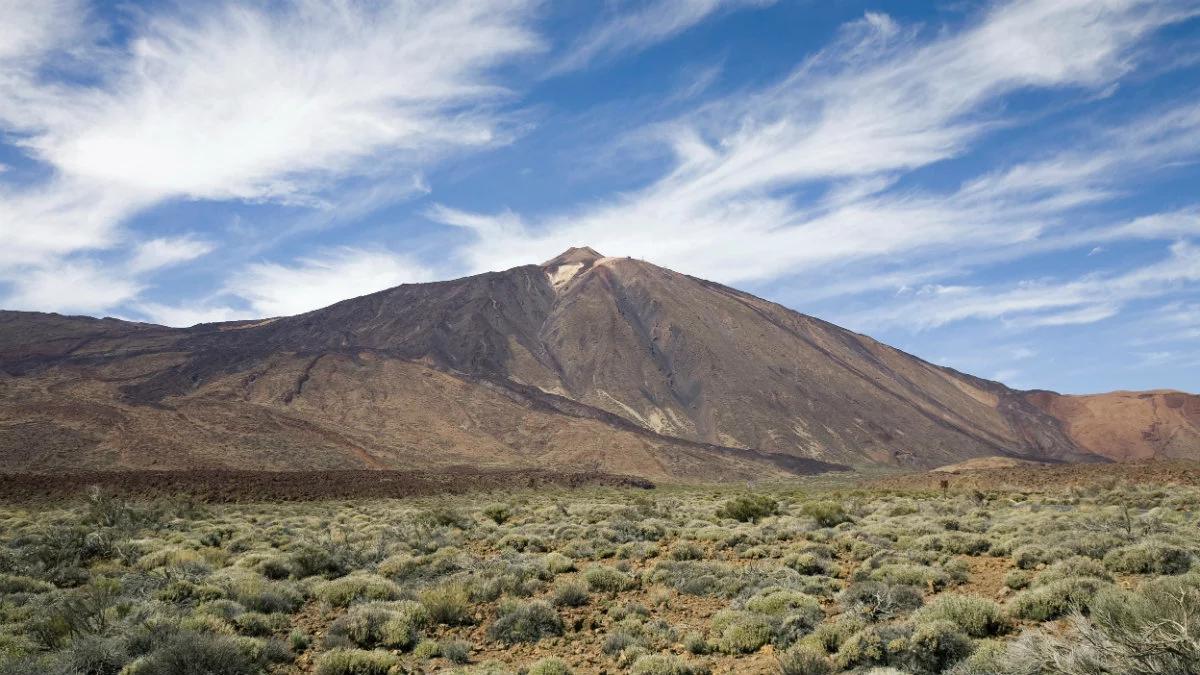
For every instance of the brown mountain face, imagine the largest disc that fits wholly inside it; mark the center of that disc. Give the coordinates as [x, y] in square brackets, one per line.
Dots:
[583, 362]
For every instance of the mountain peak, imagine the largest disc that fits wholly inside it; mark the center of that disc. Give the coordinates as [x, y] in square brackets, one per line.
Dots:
[575, 254]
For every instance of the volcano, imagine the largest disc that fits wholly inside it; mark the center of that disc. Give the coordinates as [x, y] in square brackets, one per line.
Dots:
[583, 362]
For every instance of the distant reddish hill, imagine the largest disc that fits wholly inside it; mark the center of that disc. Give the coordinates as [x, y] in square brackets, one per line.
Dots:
[1129, 425]
[584, 362]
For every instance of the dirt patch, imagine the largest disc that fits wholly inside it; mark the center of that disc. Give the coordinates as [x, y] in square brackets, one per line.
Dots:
[987, 577]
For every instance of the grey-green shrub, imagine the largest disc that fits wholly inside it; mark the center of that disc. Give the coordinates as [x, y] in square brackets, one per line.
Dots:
[608, 580]
[978, 617]
[1055, 599]
[342, 592]
[934, 646]
[826, 513]
[196, 654]
[1151, 557]
[804, 660]
[742, 632]
[550, 666]
[391, 625]
[878, 600]
[356, 662]
[748, 508]
[449, 604]
[456, 651]
[664, 664]
[1151, 630]
[525, 622]
[571, 594]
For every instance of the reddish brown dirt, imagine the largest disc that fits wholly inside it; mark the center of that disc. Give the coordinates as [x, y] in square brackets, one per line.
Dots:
[1053, 478]
[987, 577]
[245, 486]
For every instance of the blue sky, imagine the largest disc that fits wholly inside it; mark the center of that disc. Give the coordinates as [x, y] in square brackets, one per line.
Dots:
[1007, 188]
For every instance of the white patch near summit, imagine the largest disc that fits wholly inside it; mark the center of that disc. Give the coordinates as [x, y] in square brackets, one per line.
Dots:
[560, 275]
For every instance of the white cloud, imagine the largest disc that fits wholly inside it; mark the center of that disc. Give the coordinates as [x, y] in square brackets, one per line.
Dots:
[90, 286]
[30, 28]
[247, 101]
[188, 315]
[1006, 375]
[631, 31]
[1042, 303]
[876, 104]
[272, 289]
[76, 287]
[246, 104]
[164, 252]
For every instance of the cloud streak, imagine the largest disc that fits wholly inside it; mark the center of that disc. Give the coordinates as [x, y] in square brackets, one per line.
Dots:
[272, 289]
[632, 31]
[1088, 299]
[879, 103]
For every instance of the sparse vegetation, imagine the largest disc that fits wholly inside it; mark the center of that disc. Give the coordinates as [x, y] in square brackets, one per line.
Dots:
[807, 581]
[748, 508]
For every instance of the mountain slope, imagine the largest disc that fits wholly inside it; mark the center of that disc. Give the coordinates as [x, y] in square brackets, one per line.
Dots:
[582, 362]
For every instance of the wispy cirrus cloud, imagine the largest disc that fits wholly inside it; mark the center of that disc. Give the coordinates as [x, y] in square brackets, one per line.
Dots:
[882, 101]
[1042, 302]
[155, 254]
[235, 101]
[631, 30]
[80, 286]
[270, 289]
[274, 289]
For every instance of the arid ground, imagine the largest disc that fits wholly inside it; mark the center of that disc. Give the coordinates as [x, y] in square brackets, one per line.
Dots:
[1000, 571]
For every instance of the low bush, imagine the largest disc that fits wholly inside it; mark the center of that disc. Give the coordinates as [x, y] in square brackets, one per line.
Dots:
[550, 666]
[665, 664]
[497, 513]
[608, 580]
[777, 601]
[1056, 598]
[878, 601]
[1017, 579]
[829, 637]
[826, 513]
[868, 647]
[356, 662]
[978, 617]
[571, 594]
[257, 624]
[908, 574]
[196, 654]
[1075, 566]
[804, 660]
[456, 651]
[257, 594]
[1150, 557]
[356, 587]
[390, 625]
[449, 604]
[686, 551]
[558, 563]
[935, 646]
[1030, 556]
[742, 632]
[748, 508]
[1151, 630]
[12, 583]
[525, 622]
